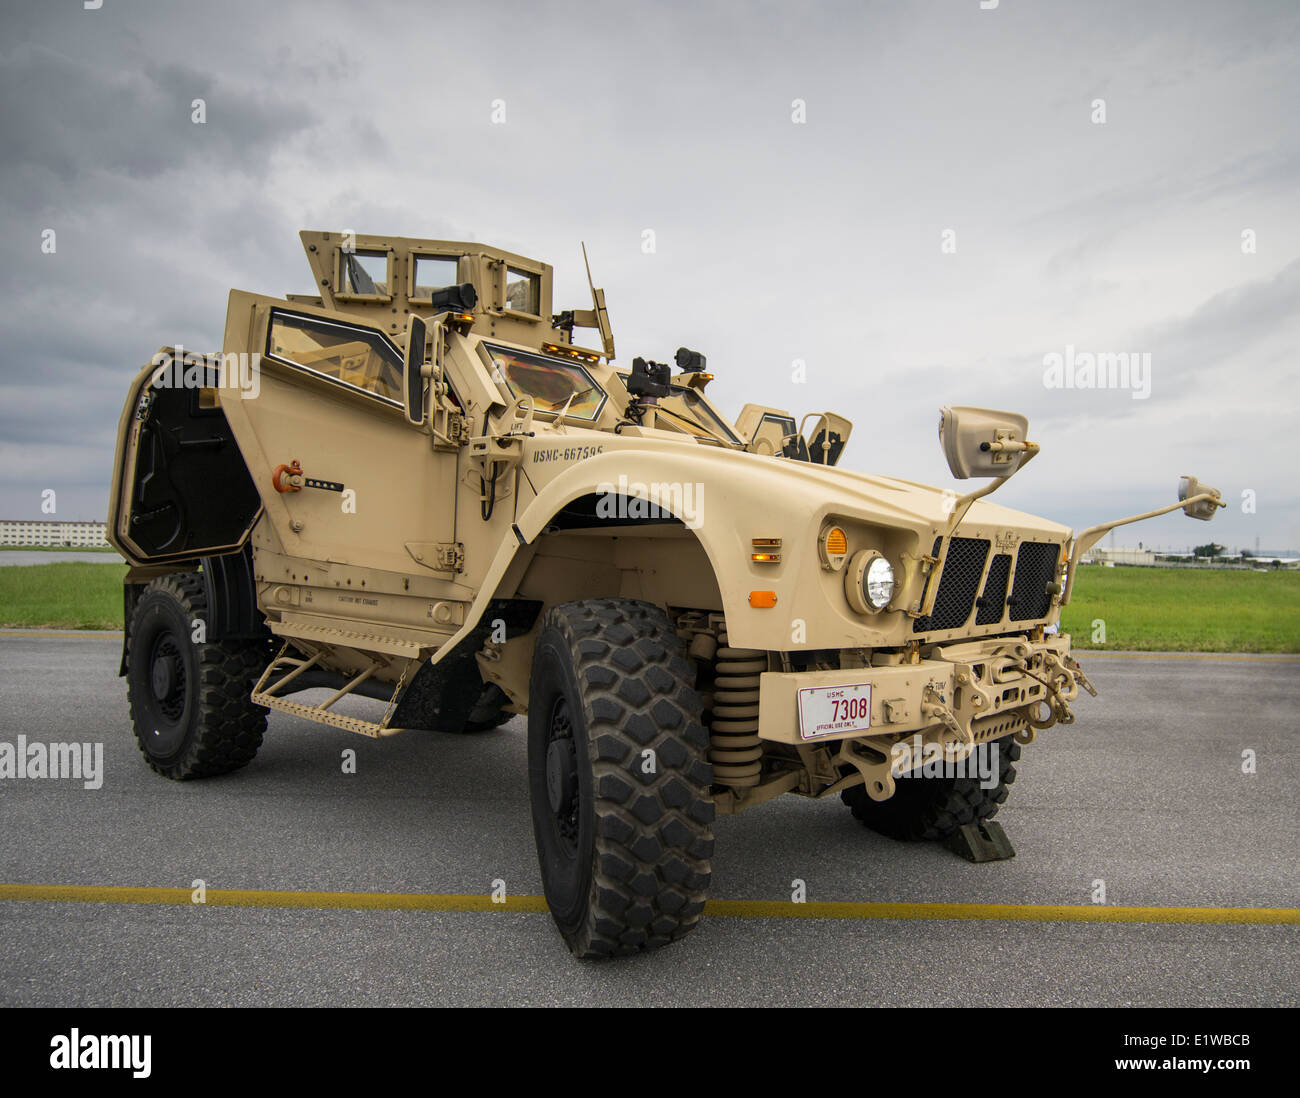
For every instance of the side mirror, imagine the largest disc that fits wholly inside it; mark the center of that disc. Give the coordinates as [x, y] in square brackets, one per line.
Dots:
[979, 442]
[1189, 487]
[766, 430]
[413, 370]
[827, 438]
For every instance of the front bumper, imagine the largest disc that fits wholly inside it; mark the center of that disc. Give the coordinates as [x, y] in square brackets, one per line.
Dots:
[962, 694]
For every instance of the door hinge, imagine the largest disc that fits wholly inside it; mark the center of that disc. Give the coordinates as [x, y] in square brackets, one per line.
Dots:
[451, 556]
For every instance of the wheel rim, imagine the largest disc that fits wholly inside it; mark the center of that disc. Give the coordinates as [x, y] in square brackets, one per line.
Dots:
[562, 790]
[166, 693]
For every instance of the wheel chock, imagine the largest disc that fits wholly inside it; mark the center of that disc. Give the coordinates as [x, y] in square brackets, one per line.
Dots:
[982, 842]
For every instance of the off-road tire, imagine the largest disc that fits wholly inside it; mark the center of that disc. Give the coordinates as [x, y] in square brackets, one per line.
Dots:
[934, 808]
[624, 853]
[192, 719]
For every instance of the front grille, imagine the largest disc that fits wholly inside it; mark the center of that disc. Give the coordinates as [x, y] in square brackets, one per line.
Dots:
[1035, 569]
[958, 583]
[994, 600]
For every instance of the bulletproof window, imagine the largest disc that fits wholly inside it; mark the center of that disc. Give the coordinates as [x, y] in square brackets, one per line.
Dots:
[785, 424]
[356, 357]
[690, 411]
[551, 382]
[523, 291]
[363, 273]
[434, 272]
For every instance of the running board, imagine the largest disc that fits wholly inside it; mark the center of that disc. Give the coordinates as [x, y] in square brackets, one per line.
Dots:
[285, 668]
[400, 641]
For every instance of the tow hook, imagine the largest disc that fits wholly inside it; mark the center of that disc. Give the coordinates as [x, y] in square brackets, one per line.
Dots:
[935, 705]
[1072, 665]
[290, 478]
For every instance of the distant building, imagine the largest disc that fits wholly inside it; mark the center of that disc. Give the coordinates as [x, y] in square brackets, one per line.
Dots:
[71, 535]
[1100, 554]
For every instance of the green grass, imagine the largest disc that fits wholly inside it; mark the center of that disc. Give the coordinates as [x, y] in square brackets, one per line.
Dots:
[56, 549]
[1156, 609]
[1177, 609]
[67, 595]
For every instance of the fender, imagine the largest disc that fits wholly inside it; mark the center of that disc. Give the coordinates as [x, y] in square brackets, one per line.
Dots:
[765, 498]
[231, 595]
[748, 490]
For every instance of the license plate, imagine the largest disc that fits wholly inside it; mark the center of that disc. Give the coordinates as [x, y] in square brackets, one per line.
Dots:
[834, 710]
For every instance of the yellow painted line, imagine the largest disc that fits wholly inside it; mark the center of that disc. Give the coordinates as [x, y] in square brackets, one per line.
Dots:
[239, 897]
[742, 909]
[43, 634]
[1033, 913]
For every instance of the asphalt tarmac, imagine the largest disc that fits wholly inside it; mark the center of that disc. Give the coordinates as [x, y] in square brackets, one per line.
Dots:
[1145, 792]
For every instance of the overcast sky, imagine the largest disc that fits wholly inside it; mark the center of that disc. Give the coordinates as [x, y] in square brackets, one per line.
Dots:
[775, 240]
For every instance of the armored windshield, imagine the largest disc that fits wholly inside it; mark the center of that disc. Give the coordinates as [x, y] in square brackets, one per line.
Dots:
[552, 383]
[688, 411]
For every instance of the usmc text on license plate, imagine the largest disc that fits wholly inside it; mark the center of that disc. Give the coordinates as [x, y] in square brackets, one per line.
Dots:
[834, 710]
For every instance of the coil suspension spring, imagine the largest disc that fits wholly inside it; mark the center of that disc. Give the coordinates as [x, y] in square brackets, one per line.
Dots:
[734, 747]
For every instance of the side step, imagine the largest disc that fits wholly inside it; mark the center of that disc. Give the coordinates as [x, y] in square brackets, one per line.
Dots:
[285, 668]
[389, 641]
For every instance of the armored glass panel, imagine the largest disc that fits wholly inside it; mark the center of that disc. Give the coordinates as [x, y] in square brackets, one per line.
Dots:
[354, 356]
[549, 381]
[434, 272]
[363, 273]
[523, 291]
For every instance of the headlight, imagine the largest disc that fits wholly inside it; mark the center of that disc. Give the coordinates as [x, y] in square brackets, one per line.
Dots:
[869, 582]
[880, 583]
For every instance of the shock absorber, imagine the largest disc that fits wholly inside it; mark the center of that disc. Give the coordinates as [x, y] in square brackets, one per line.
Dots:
[734, 747]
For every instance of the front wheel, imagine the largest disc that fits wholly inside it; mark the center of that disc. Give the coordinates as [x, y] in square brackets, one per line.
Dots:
[618, 777]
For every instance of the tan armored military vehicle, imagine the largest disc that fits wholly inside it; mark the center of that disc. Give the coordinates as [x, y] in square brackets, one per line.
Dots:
[416, 487]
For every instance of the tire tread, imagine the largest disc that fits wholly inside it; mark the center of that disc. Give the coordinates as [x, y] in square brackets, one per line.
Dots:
[229, 727]
[653, 832]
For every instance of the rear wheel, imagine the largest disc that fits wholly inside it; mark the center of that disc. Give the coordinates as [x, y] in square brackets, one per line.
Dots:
[618, 777]
[189, 701]
[934, 808]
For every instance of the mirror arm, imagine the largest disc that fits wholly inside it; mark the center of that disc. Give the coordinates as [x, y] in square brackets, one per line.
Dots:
[826, 446]
[959, 509]
[1086, 540]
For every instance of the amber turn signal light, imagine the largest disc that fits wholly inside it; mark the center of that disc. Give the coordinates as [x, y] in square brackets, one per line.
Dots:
[833, 547]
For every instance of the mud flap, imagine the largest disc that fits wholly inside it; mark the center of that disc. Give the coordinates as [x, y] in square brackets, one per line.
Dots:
[442, 695]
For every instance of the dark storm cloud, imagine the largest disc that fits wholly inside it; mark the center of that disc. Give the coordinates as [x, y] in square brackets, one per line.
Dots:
[70, 120]
[776, 241]
[106, 155]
